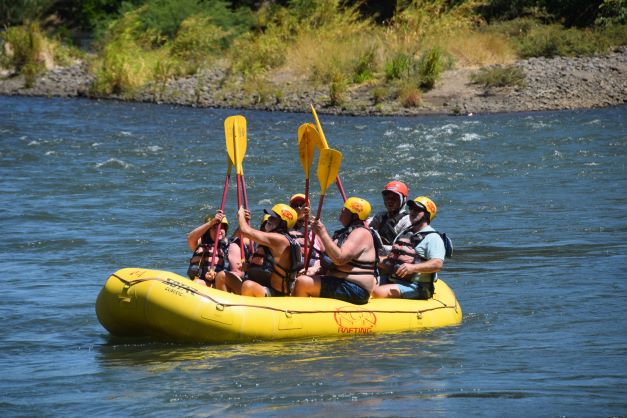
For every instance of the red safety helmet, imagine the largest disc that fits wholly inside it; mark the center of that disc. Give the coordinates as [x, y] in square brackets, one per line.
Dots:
[399, 188]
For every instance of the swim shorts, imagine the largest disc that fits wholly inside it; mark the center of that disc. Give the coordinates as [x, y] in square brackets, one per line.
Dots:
[332, 287]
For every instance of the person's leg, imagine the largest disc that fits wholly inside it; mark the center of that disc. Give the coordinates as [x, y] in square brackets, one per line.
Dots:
[307, 286]
[386, 291]
[252, 288]
[228, 282]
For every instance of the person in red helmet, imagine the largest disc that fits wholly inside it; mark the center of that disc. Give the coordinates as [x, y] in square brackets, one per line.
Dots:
[394, 219]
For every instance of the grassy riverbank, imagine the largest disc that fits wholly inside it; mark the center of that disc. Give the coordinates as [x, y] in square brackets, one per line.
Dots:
[324, 46]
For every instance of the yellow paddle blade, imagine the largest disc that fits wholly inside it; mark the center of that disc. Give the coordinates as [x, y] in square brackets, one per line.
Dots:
[322, 144]
[308, 137]
[328, 168]
[235, 133]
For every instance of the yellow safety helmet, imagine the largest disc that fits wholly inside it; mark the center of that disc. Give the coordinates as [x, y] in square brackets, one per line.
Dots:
[285, 212]
[358, 206]
[264, 220]
[427, 204]
[224, 220]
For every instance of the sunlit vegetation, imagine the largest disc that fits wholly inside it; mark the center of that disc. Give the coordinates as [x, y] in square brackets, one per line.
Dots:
[328, 44]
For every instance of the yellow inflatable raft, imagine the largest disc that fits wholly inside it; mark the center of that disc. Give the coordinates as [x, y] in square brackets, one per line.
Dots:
[137, 302]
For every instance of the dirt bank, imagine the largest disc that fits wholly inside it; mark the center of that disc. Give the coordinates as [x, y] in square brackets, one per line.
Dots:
[551, 84]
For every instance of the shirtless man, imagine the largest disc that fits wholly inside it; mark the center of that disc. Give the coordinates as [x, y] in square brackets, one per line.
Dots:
[282, 252]
[347, 271]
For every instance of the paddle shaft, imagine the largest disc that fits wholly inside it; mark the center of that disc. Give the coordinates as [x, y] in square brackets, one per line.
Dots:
[215, 244]
[306, 246]
[313, 234]
[245, 196]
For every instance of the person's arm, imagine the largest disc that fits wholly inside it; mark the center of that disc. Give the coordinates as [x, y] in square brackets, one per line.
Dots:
[193, 238]
[269, 239]
[351, 249]
[430, 266]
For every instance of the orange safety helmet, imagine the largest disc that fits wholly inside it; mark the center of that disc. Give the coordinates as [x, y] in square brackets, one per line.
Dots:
[298, 197]
[399, 188]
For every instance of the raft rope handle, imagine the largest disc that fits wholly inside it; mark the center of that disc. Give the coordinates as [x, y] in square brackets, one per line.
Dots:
[245, 305]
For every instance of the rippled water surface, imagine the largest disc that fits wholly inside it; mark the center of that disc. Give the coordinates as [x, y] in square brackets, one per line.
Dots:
[535, 203]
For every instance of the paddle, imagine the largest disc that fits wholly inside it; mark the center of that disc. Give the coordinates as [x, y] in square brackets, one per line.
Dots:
[215, 244]
[308, 137]
[324, 145]
[235, 133]
[328, 168]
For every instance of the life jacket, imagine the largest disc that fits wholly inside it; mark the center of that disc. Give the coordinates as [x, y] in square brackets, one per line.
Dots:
[299, 236]
[262, 265]
[200, 260]
[340, 236]
[386, 225]
[403, 251]
[415, 239]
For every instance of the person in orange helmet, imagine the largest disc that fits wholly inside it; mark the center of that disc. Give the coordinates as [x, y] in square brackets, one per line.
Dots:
[394, 219]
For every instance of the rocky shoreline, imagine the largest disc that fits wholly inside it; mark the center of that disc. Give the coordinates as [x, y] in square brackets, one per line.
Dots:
[551, 84]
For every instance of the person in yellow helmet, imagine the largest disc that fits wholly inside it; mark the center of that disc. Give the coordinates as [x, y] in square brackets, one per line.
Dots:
[347, 272]
[201, 241]
[283, 252]
[231, 278]
[413, 279]
[299, 203]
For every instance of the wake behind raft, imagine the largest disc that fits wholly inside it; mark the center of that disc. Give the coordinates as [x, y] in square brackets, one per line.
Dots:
[136, 302]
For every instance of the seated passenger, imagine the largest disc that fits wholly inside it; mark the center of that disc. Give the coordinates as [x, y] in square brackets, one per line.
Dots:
[347, 270]
[413, 276]
[279, 251]
[201, 241]
[299, 204]
[393, 220]
[253, 265]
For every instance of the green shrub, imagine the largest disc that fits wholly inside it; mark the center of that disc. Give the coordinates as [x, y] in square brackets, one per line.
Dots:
[430, 67]
[409, 95]
[379, 95]
[499, 76]
[399, 67]
[337, 89]
[196, 40]
[365, 68]
[123, 66]
[26, 44]
[555, 40]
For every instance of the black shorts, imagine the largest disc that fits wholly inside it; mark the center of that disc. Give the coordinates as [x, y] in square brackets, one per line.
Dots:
[334, 288]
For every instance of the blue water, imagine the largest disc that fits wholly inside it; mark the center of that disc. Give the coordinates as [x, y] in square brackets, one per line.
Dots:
[535, 203]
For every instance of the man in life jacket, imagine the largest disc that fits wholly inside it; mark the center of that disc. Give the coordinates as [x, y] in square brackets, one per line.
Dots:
[299, 203]
[348, 268]
[281, 252]
[393, 220]
[414, 279]
[201, 241]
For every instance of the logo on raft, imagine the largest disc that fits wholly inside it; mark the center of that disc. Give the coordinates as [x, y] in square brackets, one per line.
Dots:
[352, 320]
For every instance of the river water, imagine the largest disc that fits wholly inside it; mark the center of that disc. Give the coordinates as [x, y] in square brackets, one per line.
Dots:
[535, 204]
